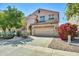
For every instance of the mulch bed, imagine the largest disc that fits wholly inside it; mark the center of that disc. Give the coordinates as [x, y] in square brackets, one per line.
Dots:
[61, 45]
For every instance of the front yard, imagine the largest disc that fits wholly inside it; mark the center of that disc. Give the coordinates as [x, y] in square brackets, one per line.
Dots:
[39, 46]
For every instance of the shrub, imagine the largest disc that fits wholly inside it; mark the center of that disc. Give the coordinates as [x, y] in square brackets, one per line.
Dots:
[24, 33]
[67, 29]
[18, 33]
[8, 35]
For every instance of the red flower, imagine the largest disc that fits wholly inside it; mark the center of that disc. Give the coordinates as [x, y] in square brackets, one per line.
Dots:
[67, 29]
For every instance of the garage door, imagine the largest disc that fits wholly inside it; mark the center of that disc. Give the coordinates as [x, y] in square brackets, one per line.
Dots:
[45, 30]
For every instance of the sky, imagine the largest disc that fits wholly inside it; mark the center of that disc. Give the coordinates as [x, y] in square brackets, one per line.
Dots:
[28, 8]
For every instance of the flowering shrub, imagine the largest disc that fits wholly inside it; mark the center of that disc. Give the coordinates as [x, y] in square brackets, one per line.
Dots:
[67, 29]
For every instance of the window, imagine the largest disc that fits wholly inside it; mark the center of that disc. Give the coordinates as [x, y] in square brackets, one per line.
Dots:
[42, 19]
[38, 11]
[51, 17]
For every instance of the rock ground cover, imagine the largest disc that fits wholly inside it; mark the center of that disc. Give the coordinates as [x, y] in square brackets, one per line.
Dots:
[61, 45]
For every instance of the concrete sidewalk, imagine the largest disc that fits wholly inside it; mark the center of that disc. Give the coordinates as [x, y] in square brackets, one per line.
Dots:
[28, 50]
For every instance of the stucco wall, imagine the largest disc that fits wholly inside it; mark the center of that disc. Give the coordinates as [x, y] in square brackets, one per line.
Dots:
[46, 14]
[43, 29]
[31, 19]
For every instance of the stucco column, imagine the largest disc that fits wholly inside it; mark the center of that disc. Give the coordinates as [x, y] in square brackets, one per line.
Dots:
[33, 30]
[69, 39]
[27, 29]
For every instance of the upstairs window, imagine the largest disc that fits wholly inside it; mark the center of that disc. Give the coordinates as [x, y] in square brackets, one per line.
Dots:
[38, 11]
[51, 17]
[42, 19]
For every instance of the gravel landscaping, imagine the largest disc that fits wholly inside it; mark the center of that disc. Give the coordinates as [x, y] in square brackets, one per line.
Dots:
[61, 45]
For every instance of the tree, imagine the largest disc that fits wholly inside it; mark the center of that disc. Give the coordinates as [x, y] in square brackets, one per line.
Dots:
[13, 17]
[24, 24]
[72, 9]
[68, 11]
[3, 21]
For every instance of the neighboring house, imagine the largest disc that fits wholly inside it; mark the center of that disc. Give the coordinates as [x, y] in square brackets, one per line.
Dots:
[43, 22]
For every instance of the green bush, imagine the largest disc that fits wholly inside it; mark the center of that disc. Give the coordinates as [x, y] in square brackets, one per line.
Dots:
[18, 33]
[24, 33]
[6, 35]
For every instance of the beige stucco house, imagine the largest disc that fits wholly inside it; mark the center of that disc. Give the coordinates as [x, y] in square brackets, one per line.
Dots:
[43, 22]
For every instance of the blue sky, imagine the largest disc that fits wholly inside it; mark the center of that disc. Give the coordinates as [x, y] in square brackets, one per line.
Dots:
[28, 8]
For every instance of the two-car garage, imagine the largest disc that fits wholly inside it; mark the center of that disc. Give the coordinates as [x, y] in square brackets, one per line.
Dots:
[47, 29]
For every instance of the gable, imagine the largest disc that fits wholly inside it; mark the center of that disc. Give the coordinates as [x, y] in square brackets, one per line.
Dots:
[43, 11]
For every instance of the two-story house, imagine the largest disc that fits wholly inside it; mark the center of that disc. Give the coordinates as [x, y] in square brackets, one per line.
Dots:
[43, 22]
